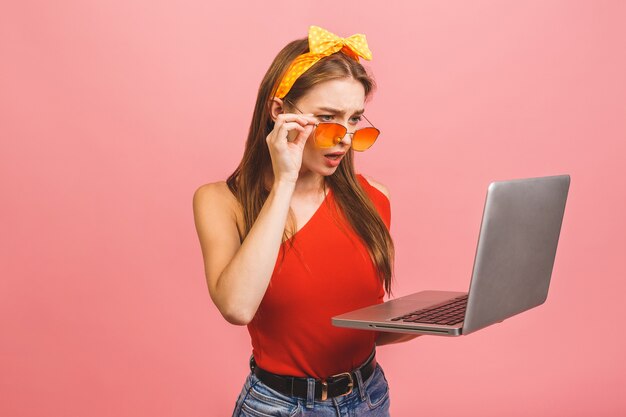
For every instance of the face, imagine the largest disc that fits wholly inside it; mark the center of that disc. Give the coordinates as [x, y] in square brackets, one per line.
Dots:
[340, 101]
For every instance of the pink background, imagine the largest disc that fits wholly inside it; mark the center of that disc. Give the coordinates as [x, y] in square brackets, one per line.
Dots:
[113, 113]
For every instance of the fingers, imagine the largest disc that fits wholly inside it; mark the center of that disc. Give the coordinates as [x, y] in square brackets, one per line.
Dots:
[302, 119]
[288, 127]
[287, 153]
[304, 135]
[288, 121]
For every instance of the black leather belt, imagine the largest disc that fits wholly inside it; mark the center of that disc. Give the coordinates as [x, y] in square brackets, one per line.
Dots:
[333, 386]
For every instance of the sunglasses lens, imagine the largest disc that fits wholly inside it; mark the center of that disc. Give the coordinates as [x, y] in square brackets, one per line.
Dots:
[328, 135]
[364, 138]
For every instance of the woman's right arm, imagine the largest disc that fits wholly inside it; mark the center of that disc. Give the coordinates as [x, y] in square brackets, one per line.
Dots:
[238, 274]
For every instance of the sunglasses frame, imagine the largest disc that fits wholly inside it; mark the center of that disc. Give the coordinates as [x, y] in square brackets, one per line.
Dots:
[347, 133]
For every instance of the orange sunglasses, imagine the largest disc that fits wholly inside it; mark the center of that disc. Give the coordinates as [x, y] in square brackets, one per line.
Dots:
[328, 134]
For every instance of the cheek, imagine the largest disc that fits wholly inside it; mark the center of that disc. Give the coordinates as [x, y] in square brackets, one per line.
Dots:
[312, 155]
[310, 147]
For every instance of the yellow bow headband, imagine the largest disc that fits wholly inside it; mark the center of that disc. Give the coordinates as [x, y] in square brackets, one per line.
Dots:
[322, 43]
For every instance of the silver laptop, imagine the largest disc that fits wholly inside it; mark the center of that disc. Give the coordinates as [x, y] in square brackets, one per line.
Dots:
[516, 248]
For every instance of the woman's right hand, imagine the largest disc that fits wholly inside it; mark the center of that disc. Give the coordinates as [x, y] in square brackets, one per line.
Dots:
[287, 154]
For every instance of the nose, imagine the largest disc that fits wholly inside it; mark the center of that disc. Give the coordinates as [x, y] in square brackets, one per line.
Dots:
[347, 138]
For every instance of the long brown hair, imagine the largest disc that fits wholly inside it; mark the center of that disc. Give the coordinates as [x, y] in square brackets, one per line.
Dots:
[248, 184]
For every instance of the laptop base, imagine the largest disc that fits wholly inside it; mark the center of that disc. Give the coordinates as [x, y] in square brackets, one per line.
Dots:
[378, 317]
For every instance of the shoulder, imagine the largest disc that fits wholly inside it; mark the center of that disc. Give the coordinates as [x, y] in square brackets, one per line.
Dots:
[216, 207]
[215, 195]
[380, 197]
[379, 186]
[212, 190]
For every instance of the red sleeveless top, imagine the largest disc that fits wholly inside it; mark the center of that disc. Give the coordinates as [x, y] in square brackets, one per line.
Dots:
[328, 272]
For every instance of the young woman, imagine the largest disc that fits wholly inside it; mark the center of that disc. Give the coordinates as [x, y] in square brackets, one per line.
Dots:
[294, 237]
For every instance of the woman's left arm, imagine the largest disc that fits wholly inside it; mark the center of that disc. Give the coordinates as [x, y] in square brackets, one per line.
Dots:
[387, 338]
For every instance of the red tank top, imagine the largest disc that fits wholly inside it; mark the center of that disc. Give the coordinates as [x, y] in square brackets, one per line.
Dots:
[328, 272]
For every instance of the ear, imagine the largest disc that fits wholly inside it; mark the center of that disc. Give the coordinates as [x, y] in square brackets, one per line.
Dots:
[276, 107]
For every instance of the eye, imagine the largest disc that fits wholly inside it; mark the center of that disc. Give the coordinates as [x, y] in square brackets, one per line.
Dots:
[356, 119]
[321, 116]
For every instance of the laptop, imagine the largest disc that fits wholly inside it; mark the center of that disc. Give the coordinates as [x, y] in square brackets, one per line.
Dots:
[515, 254]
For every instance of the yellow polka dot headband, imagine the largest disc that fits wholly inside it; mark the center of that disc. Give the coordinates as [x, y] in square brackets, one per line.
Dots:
[322, 43]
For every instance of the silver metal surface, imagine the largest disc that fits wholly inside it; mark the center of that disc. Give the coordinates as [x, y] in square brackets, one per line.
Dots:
[378, 317]
[513, 265]
[516, 248]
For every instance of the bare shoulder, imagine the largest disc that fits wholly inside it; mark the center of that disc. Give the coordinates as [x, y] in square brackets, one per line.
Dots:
[215, 196]
[217, 222]
[215, 190]
[382, 188]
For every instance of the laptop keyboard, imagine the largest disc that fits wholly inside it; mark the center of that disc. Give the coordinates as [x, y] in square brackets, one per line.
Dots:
[449, 313]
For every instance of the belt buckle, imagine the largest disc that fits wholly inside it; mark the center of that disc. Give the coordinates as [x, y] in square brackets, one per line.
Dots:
[350, 385]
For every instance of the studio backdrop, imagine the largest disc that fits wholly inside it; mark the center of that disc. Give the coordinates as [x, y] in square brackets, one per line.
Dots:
[112, 113]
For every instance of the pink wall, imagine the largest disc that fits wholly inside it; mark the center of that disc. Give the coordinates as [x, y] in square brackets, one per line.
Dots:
[113, 113]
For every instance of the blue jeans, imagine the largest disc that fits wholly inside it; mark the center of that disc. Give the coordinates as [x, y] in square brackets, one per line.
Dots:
[369, 397]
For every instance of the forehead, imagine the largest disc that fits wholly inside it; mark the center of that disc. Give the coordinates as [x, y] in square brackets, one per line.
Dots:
[346, 94]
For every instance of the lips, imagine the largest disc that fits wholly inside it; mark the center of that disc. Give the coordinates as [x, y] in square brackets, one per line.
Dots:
[333, 160]
[335, 154]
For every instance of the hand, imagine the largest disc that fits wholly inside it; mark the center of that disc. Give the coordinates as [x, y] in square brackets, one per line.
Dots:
[287, 154]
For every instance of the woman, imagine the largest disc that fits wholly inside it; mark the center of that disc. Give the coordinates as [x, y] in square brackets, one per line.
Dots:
[294, 236]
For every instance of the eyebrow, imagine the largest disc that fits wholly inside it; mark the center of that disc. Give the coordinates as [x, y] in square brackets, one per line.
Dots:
[331, 110]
